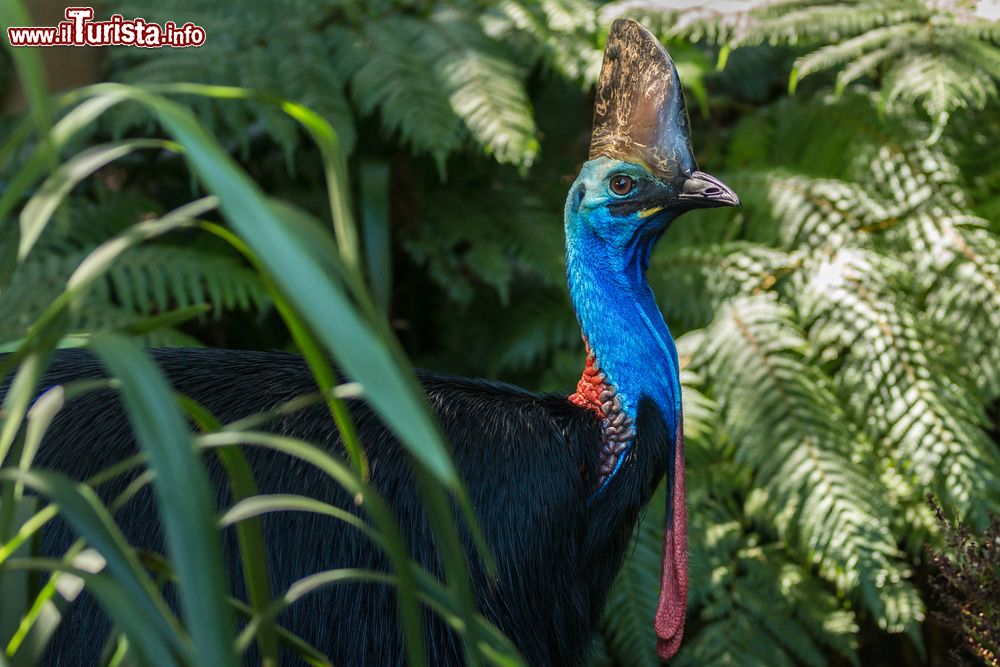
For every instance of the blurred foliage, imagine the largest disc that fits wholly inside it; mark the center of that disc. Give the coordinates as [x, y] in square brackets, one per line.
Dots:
[145, 280]
[967, 583]
[838, 331]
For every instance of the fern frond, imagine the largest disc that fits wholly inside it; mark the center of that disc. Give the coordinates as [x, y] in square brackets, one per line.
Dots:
[527, 28]
[402, 87]
[940, 83]
[509, 231]
[544, 324]
[788, 426]
[867, 64]
[699, 410]
[805, 22]
[759, 593]
[817, 213]
[631, 606]
[275, 48]
[302, 77]
[980, 30]
[732, 640]
[822, 614]
[155, 278]
[484, 87]
[985, 54]
[786, 135]
[144, 280]
[950, 248]
[92, 220]
[895, 380]
[570, 15]
[938, 57]
[848, 50]
[434, 76]
[693, 281]
[34, 285]
[781, 618]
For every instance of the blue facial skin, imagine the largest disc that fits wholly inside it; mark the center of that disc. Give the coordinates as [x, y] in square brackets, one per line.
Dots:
[609, 238]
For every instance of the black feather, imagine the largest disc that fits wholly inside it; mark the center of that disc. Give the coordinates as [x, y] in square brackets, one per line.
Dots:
[528, 461]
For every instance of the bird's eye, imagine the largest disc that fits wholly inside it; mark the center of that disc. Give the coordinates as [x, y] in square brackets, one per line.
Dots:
[621, 184]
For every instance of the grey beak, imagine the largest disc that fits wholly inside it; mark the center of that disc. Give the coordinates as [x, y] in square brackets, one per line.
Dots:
[701, 190]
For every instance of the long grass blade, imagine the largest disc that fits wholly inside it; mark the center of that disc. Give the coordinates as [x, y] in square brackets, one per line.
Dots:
[393, 392]
[249, 533]
[80, 506]
[185, 501]
[120, 604]
[303, 587]
[29, 67]
[322, 134]
[46, 611]
[375, 217]
[42, 159]
[255, 506]
[394, 545]
[306, 341]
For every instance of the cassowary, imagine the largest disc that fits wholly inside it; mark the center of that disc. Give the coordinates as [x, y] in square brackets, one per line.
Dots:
[557, 482]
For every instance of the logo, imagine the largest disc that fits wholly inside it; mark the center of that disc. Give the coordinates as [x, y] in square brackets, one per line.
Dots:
[79, 29]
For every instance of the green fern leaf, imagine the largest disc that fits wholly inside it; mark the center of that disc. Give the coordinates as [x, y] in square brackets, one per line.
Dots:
[788, 425]
[894, 384]
[401, 85]
[484, 88]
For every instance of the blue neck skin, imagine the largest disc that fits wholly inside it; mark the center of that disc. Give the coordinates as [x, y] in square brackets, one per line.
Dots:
[617, 312]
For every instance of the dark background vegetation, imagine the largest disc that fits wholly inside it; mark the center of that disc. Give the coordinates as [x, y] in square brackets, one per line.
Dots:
[838, 332]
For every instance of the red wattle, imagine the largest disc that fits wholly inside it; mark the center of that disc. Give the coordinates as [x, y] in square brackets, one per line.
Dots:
[669, 622]
[671, 608]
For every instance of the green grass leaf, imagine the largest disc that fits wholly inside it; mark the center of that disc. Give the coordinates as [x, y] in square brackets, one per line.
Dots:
[184, 499]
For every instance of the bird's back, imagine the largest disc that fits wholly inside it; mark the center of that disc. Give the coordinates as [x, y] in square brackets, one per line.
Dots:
[520, 454]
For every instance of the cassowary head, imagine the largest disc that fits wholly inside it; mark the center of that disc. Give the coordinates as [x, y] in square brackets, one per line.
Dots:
[641, 173]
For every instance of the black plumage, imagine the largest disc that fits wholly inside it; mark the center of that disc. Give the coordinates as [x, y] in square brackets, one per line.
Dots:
[528, 461]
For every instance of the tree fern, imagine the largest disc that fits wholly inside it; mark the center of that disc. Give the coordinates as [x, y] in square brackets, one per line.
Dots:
[902, 393]
[403, 88]
[790, 429]
[145, 280]
[940, 58]
[435, 76]
[485, 89]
